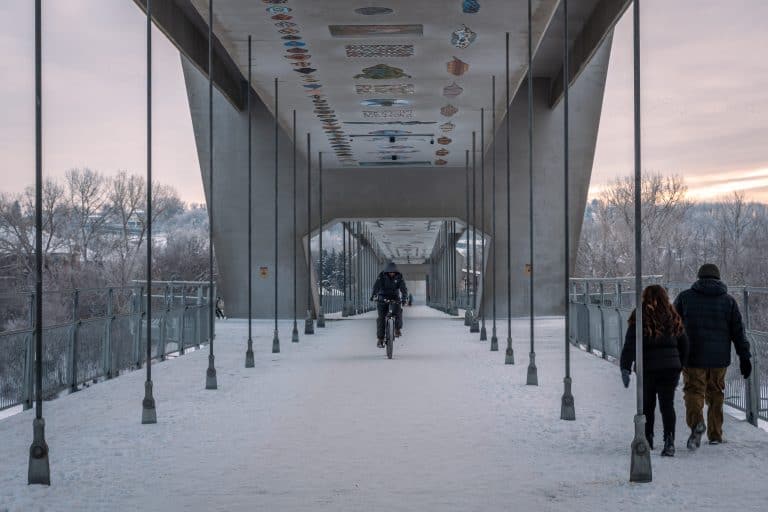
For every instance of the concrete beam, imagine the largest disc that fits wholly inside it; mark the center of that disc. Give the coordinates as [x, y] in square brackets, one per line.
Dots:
[599, 25]
[188, 31]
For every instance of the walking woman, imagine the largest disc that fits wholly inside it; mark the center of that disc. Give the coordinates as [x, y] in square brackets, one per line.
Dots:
[665, 352]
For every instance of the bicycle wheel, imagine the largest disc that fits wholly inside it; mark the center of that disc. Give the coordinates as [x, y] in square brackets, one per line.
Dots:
[390, 336]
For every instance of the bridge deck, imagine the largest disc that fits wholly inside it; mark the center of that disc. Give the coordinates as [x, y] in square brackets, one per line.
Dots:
[330, 424]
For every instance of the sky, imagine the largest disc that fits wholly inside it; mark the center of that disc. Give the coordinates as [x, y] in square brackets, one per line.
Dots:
[704, 96]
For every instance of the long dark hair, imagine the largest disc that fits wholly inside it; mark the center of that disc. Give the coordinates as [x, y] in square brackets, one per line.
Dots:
[659, 316]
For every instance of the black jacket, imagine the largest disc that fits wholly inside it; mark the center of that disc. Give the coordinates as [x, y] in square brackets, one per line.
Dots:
[386, 287]
[665, 352]
[712, 321]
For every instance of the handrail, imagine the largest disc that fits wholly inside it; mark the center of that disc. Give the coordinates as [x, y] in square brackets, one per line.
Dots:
[599, 329]
[99, 339]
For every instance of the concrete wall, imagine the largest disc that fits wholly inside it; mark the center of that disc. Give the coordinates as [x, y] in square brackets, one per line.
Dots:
[398, 192]
[586, 100]
[230, 200]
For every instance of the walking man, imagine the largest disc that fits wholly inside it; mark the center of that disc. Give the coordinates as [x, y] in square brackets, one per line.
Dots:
[712, 321]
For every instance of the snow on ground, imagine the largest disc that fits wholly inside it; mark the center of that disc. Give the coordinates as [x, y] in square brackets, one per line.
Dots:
[331, 425]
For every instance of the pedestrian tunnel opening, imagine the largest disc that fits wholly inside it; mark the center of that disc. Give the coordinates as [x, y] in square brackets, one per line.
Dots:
[443, 261]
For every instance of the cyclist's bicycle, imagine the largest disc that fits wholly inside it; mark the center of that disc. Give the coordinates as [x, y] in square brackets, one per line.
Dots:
[389, 324]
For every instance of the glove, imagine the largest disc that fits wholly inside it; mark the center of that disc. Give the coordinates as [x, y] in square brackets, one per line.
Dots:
[373, 298]
[745, 365]
[625, 378]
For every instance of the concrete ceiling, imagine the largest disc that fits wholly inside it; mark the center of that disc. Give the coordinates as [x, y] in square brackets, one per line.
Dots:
[235, 20]
[406, 240]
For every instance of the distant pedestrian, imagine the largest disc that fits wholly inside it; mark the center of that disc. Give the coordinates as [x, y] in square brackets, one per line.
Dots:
[220, 308]
[712, 321]
[665, 348]
[410, 299]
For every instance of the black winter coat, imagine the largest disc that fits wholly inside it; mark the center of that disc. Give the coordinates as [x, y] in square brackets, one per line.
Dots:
[712, 321]
[665, 352]
[390, 288]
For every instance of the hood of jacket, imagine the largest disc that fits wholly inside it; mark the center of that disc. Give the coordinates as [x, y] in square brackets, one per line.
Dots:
[391, 267]
[709, 286]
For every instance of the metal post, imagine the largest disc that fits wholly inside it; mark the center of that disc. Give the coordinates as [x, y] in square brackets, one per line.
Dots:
[294, 234]
[483, 332]
[73, 341]
[321, 264]
[276, 337]
[39, 469]
[249, 362]
[454, 282]
[183, 321]
[309, 324]
[567, 407]
[509, 355]
[444, 269]
[640, 463]
[359, 270]
[108, 352]
[344, 310]
[532, 378]
[752, 384]
[467, 310]
[211, 381]
[148, 410]
[474, 326]
[494, 337]
[29, 357]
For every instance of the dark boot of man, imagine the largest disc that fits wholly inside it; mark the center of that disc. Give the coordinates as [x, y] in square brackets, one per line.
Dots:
[694, 440]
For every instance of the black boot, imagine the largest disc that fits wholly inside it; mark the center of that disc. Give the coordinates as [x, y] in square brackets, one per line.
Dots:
[694, 440]
[669, 445]
[380, 343]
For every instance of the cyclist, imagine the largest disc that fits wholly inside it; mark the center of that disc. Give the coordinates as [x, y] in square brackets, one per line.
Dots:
[390, 285]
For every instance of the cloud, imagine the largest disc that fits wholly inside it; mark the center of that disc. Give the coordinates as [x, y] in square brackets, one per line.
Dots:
[704, 96]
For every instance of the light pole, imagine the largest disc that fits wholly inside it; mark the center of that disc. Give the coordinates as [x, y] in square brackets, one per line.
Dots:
[475, 325]
[509, 356]
[276, 337]
[321, 266]
[211, 381]
[39, 471]
[148, 410]
[309, 324]
[249, 362]
[567, 407]
[494, 338]
[483, 332]
[532, 378]
[295, 331]
[468, 310]
[640, 463]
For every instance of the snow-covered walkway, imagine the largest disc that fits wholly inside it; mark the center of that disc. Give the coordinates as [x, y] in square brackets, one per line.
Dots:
[331, 425]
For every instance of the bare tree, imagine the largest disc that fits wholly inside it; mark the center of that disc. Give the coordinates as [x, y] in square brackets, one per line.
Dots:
[87, 201]
[609, 229]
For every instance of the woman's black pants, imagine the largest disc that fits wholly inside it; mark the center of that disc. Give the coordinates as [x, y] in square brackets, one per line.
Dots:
[661, 383]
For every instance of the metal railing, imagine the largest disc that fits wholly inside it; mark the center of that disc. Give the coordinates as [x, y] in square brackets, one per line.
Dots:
[600, 309]
[333, 301]
[94, 334]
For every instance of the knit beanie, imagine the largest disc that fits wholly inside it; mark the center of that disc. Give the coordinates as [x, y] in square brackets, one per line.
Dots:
[709, 270]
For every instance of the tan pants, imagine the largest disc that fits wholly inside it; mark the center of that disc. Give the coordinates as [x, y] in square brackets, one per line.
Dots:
[705, 385]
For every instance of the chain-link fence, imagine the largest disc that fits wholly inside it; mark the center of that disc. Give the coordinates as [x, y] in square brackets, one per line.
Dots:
[600, 309]
[94, 334]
